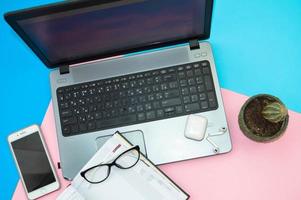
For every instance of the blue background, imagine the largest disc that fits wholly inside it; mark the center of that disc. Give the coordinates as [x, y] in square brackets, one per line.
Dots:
[256, 46]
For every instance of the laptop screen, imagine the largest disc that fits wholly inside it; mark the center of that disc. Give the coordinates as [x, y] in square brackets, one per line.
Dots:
[81, 34]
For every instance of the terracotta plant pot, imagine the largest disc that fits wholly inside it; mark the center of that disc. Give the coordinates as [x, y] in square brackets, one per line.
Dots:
[254, 122]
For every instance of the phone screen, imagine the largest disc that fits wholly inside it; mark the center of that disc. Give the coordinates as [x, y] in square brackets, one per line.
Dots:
[33, 162]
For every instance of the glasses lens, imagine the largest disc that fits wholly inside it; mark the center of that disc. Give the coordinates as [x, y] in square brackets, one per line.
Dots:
[128, 159]
[97, 174]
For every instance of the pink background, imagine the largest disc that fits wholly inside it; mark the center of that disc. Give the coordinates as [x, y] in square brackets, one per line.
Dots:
[250, 171]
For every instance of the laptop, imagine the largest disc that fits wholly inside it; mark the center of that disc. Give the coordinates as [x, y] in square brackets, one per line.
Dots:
[139, 67]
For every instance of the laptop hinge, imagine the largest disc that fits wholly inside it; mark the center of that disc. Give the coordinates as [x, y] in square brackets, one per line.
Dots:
[64, 69]
[194, 44]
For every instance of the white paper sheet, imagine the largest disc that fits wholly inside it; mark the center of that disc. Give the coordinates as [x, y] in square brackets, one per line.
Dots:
[143, 181]
[70, 193]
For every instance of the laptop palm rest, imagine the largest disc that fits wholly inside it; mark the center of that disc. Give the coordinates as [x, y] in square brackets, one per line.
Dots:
[135, 137]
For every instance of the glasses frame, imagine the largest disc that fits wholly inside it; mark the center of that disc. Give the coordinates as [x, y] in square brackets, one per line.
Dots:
[113, 163]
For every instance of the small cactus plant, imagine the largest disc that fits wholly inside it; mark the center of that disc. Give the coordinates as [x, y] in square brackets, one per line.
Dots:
[274, 112]
[263, 118]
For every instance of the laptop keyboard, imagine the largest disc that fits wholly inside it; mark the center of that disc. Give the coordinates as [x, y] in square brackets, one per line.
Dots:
[136, 98]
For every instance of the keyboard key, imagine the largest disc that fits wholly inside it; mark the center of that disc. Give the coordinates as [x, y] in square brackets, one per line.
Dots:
[194, 98]
[66, 130]
[188, 67]
[181, 68]
[140, 108]
[192, 107]
[59, 91]
[148, 106]
[155, 73]
[64, 105]
[183, 83]
[99, 124]
[141, 82]
[173, 85]
[163, 71]
[186, 99]
[132, 109]
[147, 90]
[156, 88]
[69, 120]
[171, 102]
[159, 96]
[185, 91]
[98, 115]
[74, 128]
[156, 105]
[205, 64]
[151, 115]
[119, 120]
[133, 84]
[198, 72]
[60, 97]
[171, 70]
[142, 99]
[192, 90]
[114, 112]
[164, 86]
[122, 111]
[92, 108]
[84, 110]
[131, 93]
[189, 73]
[204, 104]
[151, 97]
[181, 75]
[66, 113]
[201, 88]
[141, 116]
[196, 65]
[91, 125]
[179, 109]
[139, 91]
[170, 77]
[160, 113]
[206, 70]
[199, 80]
[208, 83]
[149, 81]
[170, 109]
[212, 100]
[158, 79]
[171, 93]
[90, 117]
[191, 81]
[82, 127]
[125, 85]
[147, 74]
[202, 96]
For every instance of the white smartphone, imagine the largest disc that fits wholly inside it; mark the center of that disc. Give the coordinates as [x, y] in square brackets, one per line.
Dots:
[33, 162]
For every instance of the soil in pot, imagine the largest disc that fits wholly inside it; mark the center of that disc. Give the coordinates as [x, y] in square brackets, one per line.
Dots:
[256, 122]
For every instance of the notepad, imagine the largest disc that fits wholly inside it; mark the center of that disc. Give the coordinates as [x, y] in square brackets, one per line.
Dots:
[144, 181]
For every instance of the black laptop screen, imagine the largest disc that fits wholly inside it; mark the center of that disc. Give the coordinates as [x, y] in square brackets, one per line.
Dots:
[75, 34]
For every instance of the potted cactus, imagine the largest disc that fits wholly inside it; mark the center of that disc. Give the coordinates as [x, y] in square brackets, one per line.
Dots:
[263, 118]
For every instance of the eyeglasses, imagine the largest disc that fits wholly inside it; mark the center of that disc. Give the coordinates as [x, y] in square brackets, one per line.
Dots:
[101, 172]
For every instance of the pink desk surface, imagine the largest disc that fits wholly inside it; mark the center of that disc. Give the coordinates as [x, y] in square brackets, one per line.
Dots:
[250, 171]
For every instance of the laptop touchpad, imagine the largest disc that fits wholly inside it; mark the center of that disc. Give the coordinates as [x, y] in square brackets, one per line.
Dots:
[135, 137]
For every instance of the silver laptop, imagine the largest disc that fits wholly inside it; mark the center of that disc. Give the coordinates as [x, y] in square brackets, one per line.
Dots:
[166, 74]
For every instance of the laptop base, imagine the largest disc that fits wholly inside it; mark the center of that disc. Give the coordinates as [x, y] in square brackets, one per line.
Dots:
[164, 139]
